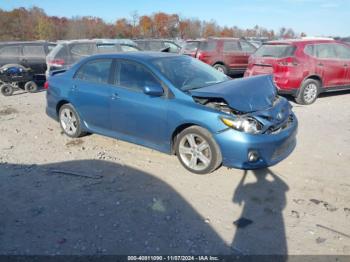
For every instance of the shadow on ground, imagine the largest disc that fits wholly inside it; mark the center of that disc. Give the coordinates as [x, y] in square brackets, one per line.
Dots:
[260, 228]
[97, 207]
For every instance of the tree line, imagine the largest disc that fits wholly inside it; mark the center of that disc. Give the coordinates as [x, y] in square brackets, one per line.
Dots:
[34, 24]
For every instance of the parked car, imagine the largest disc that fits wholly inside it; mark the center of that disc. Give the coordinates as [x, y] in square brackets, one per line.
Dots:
[28, 54]
[175, 104]
[67, 53]
[304, 68]
[160, 45]
[228, 55]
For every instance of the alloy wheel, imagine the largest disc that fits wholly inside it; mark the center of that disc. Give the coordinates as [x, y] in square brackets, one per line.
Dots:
[195, 152]
[68, 121]
[310, 92]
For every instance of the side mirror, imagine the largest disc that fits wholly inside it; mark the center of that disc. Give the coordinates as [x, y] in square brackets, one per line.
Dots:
[153, 90]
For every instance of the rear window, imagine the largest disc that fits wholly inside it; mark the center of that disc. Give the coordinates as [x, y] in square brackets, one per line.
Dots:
[34, 51]
[156, 45]
[191, 46]
[58, 52]
[231, 46]
[208, 46]
[10, 51]
[276, 51]
[81, 49]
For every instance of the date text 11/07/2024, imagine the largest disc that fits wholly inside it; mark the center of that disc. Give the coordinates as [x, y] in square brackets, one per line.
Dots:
[172, 258]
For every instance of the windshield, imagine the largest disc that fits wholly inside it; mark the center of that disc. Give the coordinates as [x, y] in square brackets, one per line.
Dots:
[277, 51]
[187, 73]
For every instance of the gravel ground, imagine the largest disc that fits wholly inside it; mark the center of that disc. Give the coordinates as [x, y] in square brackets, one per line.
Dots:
[97, 195]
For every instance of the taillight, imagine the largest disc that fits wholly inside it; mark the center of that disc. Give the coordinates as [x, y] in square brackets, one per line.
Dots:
[46, 85]
[56, 62]
[199, 55]
[288, 61]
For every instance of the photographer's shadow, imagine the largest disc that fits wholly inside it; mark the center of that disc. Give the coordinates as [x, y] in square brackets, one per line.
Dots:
[260, 227]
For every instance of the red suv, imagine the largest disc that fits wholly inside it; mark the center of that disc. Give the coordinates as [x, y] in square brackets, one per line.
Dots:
[303, 68]
[228, 55]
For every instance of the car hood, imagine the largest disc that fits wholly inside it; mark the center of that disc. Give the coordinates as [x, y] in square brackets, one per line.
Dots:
[245, 95]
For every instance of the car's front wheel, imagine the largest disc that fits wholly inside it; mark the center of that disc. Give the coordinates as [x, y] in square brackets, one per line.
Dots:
[70, 121]
[197, 150]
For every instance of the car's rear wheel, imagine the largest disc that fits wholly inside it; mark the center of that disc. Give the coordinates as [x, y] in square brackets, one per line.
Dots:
[31, 87]
[70, 121]
[7, 89]
[197, 150]
[309, 92]
[221, 68]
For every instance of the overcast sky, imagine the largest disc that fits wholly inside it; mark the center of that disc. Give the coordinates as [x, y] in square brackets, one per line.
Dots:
[314, 17]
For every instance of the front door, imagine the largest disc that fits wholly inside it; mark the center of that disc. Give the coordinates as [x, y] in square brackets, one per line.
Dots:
[343, 54]
[133, 113]
[329, 66]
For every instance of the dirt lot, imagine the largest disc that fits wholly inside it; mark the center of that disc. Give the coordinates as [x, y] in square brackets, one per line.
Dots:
[96, 195]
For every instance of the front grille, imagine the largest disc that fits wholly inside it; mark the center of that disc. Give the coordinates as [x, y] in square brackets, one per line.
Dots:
[279, 128]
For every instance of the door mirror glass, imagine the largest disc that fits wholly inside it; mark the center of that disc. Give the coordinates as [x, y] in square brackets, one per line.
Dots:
[153, 90]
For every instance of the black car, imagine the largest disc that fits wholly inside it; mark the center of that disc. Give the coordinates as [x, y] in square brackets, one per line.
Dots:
[28, 54]
[158, 45]
[69, 52]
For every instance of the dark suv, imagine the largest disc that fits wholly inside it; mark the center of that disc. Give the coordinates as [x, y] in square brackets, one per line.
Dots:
[28, 54]
[67, 53]
[158, 45]
[228, 55]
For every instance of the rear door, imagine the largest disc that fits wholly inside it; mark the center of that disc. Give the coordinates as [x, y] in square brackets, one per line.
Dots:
[34, 57]
[233, 56]
[91, 92]
[328, 65]
[10, 54]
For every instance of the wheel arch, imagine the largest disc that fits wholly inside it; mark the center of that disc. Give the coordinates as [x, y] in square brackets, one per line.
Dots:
[60, 104]
[314, 77]
[177, 131]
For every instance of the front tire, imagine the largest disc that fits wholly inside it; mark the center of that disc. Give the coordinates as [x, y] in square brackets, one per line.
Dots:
[308, 92]
[70, 121]
[7, 89]
[197, 151]
[221, 68]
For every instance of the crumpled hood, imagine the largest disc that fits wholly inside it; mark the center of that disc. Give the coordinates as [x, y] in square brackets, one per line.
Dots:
[245, 95]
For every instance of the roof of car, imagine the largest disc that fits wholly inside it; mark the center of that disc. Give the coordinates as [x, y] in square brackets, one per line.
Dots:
[142, 55]
[25, 42]
[304, 41]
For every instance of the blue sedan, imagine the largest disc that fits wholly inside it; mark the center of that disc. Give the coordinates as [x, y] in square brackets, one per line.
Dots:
[177, 105]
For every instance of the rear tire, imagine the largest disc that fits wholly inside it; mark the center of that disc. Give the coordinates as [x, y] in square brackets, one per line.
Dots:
[308, 93]
[31, 87]
[221, 68]
[70, 121]
[7, 89]
[197, 150]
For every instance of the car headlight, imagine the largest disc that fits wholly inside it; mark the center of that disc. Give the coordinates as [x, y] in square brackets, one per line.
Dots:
[243, 124]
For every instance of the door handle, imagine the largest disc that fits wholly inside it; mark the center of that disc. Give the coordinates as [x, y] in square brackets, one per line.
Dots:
[114, 96]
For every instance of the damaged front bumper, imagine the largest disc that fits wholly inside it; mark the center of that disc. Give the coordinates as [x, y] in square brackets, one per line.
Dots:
[247, 151]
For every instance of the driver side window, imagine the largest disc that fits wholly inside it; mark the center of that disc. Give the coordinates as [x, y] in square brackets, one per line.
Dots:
[134, 76]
